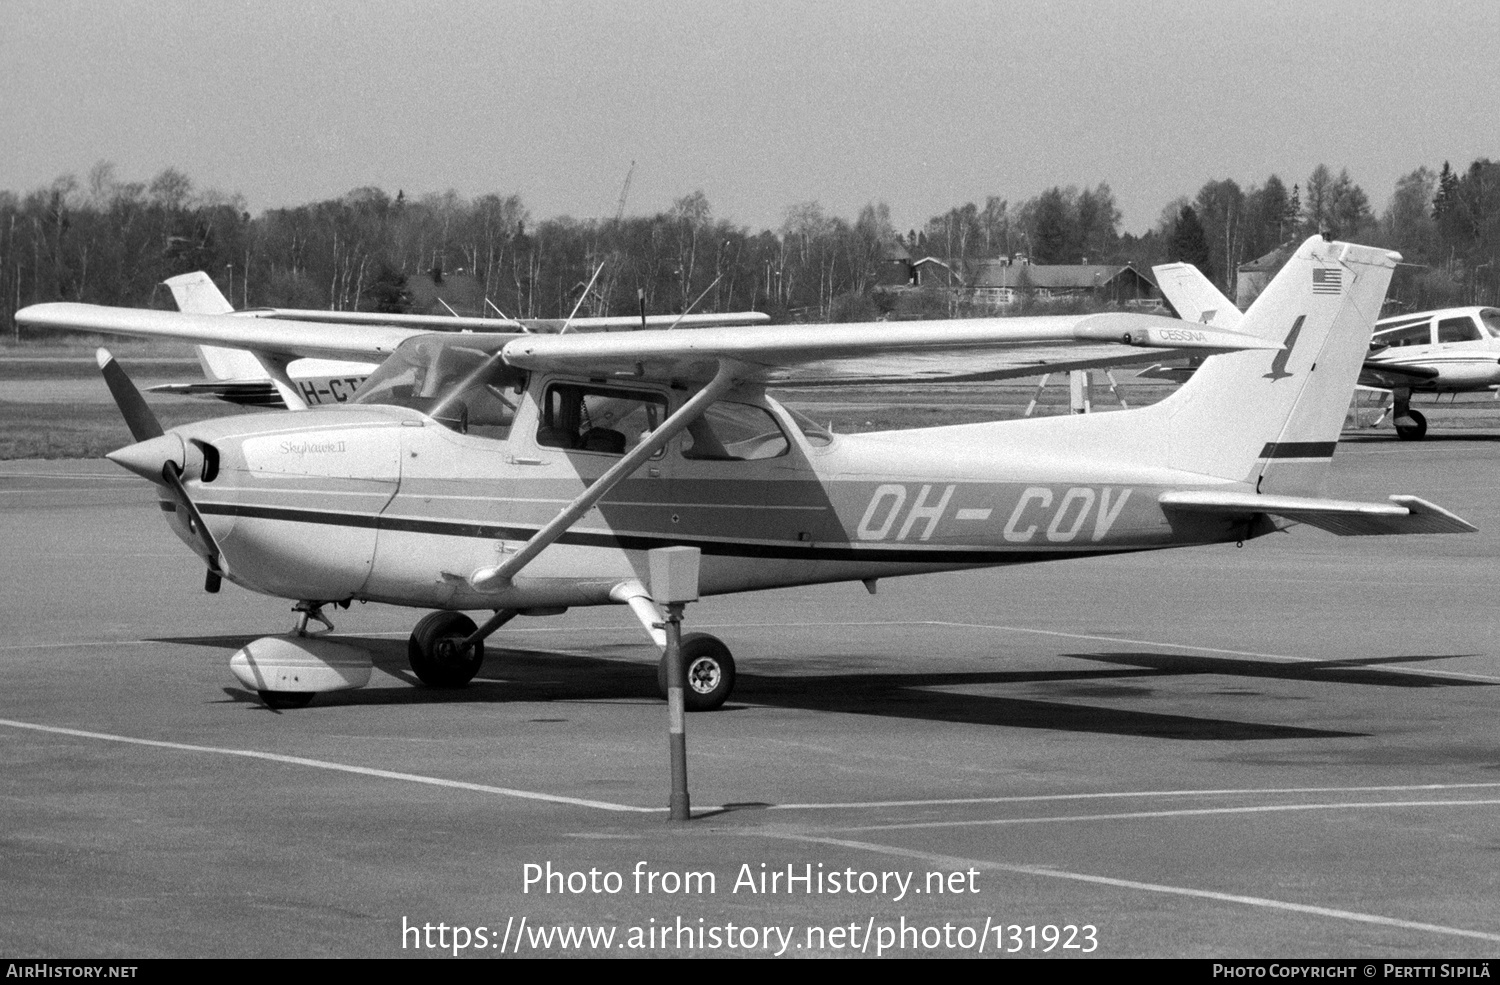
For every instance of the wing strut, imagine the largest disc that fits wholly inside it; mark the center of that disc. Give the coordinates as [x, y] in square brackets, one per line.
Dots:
[490, 579]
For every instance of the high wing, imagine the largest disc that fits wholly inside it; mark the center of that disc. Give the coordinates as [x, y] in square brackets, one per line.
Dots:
[960, 350]
[273, 344]
[1404, 514]
[279, 338]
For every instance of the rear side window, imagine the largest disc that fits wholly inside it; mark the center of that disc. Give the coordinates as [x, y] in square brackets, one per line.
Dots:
[1418, 334]
[606, 420]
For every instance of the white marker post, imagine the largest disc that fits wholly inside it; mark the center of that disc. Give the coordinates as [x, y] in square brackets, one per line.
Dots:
[674, 583]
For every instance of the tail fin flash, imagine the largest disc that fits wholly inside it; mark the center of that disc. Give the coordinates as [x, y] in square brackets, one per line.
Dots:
[197, 294]
[1273, 418]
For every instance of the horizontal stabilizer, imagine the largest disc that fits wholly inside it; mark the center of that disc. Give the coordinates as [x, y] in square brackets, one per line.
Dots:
[1403, 515]
[247, 393]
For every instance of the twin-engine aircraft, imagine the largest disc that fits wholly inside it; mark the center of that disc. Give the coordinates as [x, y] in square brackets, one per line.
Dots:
[521, 474]
[1455, 350]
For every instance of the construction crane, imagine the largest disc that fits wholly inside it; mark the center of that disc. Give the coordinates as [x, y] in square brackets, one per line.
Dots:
[624, 190]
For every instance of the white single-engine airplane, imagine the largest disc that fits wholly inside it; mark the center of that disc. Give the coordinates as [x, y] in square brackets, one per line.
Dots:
[522, 474]
[258, 379]
[1454, 350]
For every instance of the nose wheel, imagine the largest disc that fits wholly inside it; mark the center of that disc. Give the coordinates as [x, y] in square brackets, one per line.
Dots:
[1411, 426]
[709, 671]
[436, 651]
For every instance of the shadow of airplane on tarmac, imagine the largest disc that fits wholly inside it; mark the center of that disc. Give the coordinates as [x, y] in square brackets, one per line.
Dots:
[612, 673]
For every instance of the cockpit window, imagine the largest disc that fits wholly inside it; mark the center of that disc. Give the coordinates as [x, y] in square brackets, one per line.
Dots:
[599, 419]
[1458, 330]
[460, 381]
[1490, 318]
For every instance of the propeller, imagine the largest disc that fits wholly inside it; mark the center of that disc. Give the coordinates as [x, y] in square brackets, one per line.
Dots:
[160, 458]
[138, 417]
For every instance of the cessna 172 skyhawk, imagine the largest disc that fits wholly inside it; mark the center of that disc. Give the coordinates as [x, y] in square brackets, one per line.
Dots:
[1455, 350]
[240, 377]
[522, 474]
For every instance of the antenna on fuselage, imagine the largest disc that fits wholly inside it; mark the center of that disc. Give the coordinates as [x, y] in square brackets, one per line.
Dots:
[496, 309]
[581, 298]
[695, 303]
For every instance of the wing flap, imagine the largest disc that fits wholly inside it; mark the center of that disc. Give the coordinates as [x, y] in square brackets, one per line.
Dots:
[1402, 515]
[459, 323]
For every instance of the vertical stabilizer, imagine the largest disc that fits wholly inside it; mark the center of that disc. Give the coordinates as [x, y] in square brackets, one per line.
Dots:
[1195, 297]
[197, 294]
[1274, 418]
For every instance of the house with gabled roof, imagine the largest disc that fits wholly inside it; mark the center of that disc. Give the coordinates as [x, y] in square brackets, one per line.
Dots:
[998, 283]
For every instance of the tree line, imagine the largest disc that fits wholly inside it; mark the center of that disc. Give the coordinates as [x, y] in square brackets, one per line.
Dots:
[106, 240]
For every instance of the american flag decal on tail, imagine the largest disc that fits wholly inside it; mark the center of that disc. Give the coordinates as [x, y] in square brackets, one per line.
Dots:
[1327, 280]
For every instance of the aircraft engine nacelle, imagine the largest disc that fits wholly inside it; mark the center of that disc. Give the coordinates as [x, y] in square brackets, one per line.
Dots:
[1468, 375]
[293, 664]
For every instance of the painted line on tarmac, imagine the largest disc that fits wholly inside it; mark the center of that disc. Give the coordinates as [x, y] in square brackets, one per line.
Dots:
[1130, 794]
[954, 862]
[1185, 812]
[337, 767]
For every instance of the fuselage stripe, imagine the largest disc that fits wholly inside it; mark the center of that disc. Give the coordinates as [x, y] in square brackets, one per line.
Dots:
[641, 542]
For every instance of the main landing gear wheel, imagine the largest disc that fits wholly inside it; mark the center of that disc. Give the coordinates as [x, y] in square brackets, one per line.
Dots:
[434, 650]
[710, 672]
[277, 700]
[1413, 431]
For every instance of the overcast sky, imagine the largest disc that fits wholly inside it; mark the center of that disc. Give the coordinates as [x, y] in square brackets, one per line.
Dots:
[924, 105]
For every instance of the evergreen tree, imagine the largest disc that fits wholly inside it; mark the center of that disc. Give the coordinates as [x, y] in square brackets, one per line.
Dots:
[1189, 243]
[388, 291]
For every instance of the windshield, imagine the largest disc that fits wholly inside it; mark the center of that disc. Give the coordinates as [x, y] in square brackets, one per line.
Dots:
[1491, 319]
[816, 434]
[459, 380]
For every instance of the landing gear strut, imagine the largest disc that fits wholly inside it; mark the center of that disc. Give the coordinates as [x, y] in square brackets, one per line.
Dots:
[446, 650]
[279, 700]
[709, 668]
[1410, 424]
